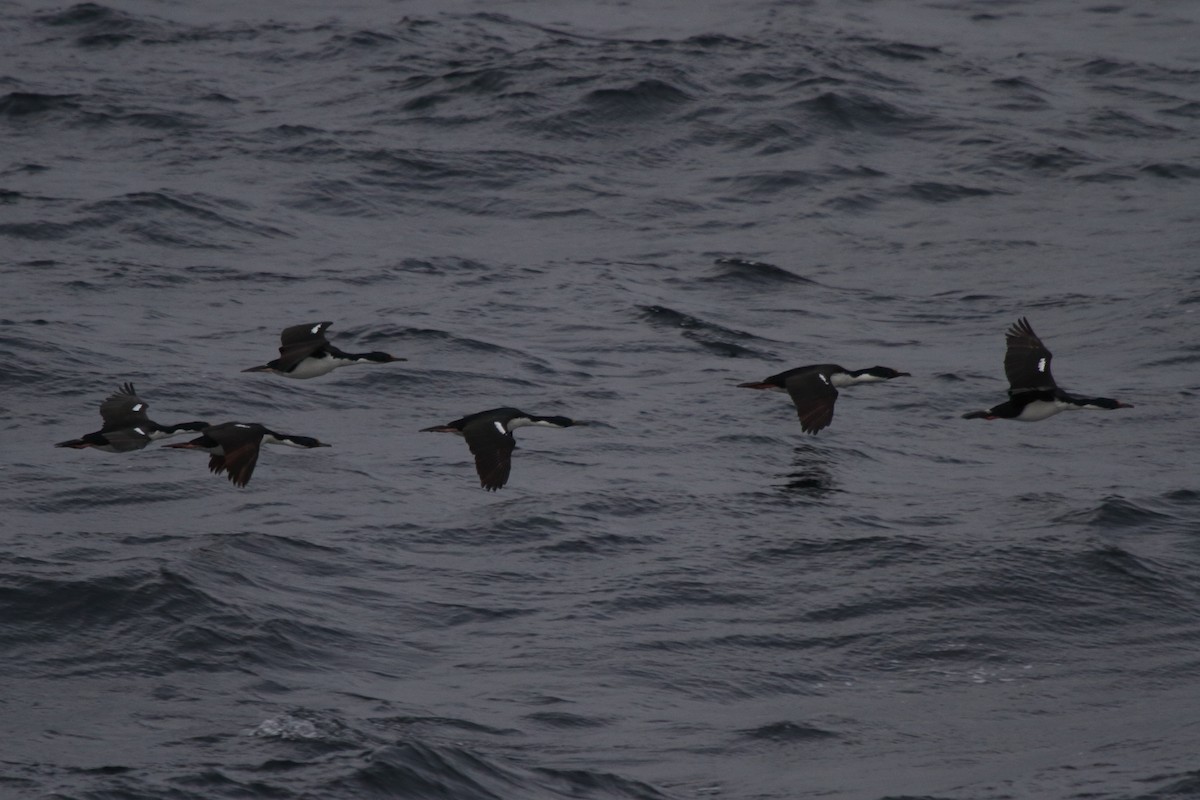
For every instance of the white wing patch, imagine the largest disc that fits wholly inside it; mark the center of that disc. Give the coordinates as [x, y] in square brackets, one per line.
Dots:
[138, 406]
[316, 329]
[499, 426]
[1041, 365]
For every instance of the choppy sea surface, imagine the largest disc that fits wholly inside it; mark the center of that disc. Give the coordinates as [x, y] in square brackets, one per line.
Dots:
[615, 212]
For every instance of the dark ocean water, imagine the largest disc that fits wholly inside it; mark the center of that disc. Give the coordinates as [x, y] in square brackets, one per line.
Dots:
[616, 212]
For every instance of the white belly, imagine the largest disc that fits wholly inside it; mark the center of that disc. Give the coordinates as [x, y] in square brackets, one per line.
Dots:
[1040, 409]
[314, 367]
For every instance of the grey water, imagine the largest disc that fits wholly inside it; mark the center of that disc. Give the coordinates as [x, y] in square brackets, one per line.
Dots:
[614, 212]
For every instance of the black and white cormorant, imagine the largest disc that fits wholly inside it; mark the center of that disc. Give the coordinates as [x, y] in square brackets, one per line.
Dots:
[304, 352]
[233, 447]
[814, 389]
[1032, 393]
[489, 435]
[126, 426]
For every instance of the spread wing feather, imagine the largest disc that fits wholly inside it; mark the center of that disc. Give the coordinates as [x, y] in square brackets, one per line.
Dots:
[240, 445]
[814, 397]
[1026, 360]
[123, 409]
[299, 342]
[493, 453]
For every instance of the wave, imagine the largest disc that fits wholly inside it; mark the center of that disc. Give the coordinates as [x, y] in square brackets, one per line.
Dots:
[97, 26]
[646, 98]
[752, 273]
[939, 192]
[1190, 109]
[850, 110]
[787, 732]
[1171, 170]
[564, 720]
[1116, 512]
[711, 336]
[174, 219]
[154, 622]
[879, 549]
[1126, 125]
[1111, 67]
[450, 772]
[1020, 94]
[1052, 161]
[26, 104]
[601, 113]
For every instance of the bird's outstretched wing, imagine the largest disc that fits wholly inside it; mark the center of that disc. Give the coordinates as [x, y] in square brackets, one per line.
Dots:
[1026, 361]
[299, 342]
[240, 444]
[123, 409]
[492, 448]
[814, 397]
